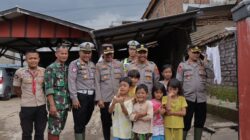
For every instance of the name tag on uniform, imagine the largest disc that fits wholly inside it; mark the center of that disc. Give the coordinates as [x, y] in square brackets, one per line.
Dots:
[117, 70]
[91, 75]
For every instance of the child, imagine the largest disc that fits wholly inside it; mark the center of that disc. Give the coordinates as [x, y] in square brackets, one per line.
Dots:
[158, 128]
[175, 111]
[134, 75]
[121, 107]
[166, 74]
[142, 114]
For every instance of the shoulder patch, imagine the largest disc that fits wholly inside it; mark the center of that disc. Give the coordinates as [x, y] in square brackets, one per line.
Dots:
[156, 70]
[74, 69]
[179, 69]
[16, 76]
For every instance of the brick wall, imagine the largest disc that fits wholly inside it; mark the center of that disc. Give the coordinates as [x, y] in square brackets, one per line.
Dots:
[228, 61]
[227, 50]
[166, 8]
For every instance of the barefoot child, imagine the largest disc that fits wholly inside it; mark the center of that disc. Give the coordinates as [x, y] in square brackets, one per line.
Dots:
[175, 111]
[121, 108]
[158, 128]
[142, 114]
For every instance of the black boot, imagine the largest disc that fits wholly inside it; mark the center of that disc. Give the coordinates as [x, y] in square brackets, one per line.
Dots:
[197, 133]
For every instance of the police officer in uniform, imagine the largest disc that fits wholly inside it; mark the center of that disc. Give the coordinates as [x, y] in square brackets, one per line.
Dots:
[132, 54]
[193, 73]
[149, 73]
[108, 73]
[81, 81]
[56, 89]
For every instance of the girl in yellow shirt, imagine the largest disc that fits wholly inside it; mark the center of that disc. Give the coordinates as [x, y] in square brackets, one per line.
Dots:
[175, 106]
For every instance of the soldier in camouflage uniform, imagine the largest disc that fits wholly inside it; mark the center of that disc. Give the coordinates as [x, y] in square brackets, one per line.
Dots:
[108, 74]
[149, 73]
[56, 88]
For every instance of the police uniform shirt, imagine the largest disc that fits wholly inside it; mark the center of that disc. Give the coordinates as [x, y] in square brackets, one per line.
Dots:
[23, 79]
[194, 76]
[81, 76]
[108, 75]
[149, 73]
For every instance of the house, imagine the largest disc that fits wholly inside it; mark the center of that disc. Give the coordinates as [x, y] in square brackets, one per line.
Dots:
[214, 27]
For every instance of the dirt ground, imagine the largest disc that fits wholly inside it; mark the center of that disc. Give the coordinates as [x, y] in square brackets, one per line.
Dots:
[10, 125]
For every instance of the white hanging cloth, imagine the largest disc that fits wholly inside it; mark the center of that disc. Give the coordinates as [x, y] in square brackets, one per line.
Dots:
[214, 56]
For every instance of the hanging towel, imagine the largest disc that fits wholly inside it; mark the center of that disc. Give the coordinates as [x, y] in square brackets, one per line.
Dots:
[214, 56]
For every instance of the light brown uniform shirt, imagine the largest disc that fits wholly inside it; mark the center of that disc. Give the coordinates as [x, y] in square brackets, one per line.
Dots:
[194, 79]
[107, 76]
[81, 76]
[149, 73]
[23, 79]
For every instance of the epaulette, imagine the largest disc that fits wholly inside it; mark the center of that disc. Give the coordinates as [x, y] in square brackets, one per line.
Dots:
[151, 62]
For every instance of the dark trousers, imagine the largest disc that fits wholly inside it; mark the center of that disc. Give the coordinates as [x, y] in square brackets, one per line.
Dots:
[199, 110]
[106, 121]
[36, 116]
[83, 114]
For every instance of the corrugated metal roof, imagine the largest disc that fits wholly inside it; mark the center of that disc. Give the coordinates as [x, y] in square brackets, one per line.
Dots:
[146, 31]
[209, 33]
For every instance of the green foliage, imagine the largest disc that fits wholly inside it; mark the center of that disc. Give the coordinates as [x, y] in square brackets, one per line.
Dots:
[224, 93]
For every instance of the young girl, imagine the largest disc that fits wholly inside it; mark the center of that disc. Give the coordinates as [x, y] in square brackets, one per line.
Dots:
[121, 107]
[166, 74]
[142, 114]
[158, 129]
[134, 75]
[175, 111]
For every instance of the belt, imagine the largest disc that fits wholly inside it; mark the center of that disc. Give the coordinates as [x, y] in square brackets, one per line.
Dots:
[86, 91]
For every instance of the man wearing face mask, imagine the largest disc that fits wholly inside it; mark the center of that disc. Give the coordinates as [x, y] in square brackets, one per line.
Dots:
[108, 73]
[149, 73]
[56, 88]
[81, 81]
[193, 74]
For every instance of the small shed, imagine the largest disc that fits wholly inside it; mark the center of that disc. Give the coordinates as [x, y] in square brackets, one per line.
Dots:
[21, 30]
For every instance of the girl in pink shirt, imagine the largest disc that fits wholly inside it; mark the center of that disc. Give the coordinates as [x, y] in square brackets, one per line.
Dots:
[158, 123]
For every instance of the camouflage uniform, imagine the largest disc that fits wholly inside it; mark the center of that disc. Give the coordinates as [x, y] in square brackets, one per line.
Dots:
[56, 84]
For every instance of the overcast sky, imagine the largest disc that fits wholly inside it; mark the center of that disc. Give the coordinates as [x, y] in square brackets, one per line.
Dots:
[90, 13]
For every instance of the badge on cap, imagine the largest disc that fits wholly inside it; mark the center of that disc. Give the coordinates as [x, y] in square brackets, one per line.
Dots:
[132, 43]
[88, 45]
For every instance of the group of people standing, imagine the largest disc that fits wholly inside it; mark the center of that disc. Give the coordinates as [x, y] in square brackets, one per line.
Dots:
[129, 94]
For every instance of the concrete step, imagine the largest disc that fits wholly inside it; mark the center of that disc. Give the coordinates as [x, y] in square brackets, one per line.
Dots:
[224, 109]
